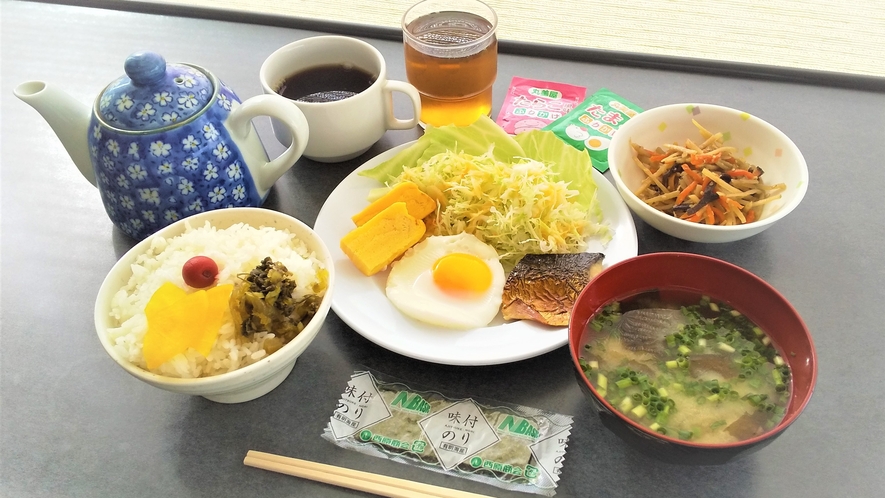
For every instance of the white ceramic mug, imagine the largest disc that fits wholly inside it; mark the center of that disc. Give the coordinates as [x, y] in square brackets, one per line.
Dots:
[342, 129]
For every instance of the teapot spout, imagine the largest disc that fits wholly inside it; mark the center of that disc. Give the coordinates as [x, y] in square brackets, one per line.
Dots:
[68, 117]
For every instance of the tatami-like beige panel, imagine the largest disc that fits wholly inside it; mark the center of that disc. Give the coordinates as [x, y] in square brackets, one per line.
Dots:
[844, 36]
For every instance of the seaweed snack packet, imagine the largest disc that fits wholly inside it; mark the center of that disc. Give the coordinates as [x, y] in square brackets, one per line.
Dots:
[510, 446]
[591, 125]
[533, 104]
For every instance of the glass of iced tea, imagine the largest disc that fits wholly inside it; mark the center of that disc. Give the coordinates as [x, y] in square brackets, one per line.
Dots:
[452, 59]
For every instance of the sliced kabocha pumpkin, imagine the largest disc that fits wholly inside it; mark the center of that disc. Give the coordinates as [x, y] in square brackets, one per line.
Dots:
[178, 321]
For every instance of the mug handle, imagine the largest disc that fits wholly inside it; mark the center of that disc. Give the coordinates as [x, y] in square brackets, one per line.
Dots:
[240, 125]
[400, 86]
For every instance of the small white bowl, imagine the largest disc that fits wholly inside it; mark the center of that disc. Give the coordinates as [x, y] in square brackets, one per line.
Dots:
[756, 141]
[251, 381]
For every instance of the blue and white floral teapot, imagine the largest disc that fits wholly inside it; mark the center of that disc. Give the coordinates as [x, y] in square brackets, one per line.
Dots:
[166, 141]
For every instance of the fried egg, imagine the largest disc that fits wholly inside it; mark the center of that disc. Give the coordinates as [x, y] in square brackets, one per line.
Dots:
[453, 281]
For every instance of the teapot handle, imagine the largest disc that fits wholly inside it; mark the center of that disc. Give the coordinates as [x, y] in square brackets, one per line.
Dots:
[240, 125]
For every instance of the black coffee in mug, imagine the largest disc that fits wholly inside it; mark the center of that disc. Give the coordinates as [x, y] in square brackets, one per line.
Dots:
[326, 83]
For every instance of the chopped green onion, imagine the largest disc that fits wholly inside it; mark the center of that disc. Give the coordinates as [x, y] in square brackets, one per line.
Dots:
[778, 361]
[757, 331]
[684, 349]
[672, 364]
[725, 347]
[776, 375]
[735, 313]
[766, 340]
[663, 393]
[676, 386]
[686, 435]
[639, 411]
[714, 306]
[702, 342]
[624, 383]
[713, 397]
[626, 405]
[655, 426]
[602, 381]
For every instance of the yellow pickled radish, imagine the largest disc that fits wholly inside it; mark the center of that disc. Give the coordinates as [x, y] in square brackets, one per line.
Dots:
[178, 321]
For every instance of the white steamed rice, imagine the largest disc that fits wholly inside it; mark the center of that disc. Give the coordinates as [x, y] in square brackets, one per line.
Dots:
[236, 250]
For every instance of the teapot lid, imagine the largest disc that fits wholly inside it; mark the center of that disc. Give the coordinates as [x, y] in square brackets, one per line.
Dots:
[154, 94]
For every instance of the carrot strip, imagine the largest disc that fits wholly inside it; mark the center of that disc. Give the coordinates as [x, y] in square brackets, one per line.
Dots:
[709, 215]
[689, 189]
[718, 214]
[657, 157]
[694, 176]
[706, 181]
[700, 159]
[751, 216]
[742, 173]
[697, 216]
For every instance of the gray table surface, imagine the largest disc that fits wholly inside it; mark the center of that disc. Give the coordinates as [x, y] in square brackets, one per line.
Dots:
[73, 423]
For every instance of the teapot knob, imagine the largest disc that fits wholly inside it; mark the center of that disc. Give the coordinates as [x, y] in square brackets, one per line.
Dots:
[145, 68]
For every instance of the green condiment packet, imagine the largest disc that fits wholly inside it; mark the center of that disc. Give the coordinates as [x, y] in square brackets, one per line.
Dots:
[591, 125]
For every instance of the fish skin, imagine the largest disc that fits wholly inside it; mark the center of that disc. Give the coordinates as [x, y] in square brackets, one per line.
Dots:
[544, 287]
[645, 329]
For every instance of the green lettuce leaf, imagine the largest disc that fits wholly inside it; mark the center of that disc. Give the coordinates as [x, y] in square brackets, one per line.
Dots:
[476, 139]
[572, 165]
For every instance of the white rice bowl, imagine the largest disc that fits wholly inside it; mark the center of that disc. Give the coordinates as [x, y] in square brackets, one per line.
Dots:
[236, 250]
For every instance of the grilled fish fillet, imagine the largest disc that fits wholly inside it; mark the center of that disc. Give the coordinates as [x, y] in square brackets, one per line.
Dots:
[544, 287]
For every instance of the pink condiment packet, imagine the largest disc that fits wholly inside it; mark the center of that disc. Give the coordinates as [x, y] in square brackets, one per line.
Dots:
[534, 104]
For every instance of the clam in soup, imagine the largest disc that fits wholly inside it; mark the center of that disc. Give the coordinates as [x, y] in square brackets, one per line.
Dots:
[700, 372]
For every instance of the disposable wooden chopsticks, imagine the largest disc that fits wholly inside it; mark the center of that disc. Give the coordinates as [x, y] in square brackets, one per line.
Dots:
[352, 479]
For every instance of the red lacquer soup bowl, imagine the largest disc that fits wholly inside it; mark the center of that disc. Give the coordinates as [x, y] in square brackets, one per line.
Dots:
[683, 274]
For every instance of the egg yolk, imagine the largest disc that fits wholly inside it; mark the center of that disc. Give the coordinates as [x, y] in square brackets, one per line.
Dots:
[460, 272]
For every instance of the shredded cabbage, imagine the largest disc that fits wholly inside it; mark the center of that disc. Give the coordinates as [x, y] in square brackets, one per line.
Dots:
[531, 193]
[517, 207]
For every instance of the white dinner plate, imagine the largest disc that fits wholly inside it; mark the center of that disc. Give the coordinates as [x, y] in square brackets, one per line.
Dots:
[361, 302]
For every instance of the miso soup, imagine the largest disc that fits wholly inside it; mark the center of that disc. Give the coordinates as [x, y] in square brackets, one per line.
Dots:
[687, 367]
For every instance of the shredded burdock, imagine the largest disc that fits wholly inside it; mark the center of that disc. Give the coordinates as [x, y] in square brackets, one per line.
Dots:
[703, 183]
